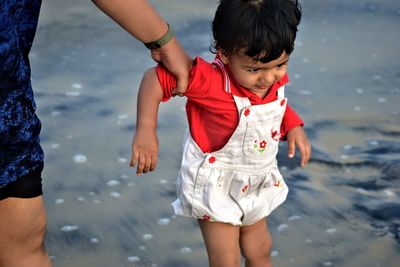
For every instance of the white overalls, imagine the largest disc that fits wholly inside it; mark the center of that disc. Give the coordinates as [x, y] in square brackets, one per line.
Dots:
[239, 184]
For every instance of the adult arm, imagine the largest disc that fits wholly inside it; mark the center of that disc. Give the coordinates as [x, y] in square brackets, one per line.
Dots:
[140, 19]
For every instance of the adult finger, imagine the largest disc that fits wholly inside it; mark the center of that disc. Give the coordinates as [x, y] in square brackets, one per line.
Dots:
[156, 55]
[181, 83]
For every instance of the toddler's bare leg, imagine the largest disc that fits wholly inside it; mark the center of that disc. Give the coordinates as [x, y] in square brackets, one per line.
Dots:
[222, 243]
[255, 244]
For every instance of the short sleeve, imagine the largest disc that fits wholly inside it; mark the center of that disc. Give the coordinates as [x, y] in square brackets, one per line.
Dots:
[167, 82]
[290, 121]
[200, 80]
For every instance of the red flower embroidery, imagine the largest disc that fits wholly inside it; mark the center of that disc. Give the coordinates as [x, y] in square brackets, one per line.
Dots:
[263, 144]
[283, 102]
[275, 135]
[247, 112]
[244, 189]
[278, 184]
[206, 218]
[212, 159]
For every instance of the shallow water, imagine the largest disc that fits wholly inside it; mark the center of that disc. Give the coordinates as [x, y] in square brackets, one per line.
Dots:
[343, 209]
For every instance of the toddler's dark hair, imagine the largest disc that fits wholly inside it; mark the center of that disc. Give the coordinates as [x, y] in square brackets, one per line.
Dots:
[263, 28]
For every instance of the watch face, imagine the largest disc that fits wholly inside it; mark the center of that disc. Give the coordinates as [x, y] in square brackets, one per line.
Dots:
[156, 45]
[152, 45]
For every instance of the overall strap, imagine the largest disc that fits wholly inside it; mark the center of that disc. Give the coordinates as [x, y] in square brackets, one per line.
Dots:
[241, 103]
[281, 92]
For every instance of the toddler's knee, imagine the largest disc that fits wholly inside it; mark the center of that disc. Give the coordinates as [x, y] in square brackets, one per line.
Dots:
[261, 252]
[230, 260]
[262, 256]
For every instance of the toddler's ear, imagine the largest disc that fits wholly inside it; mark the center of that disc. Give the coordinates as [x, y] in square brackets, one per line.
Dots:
[224, 58]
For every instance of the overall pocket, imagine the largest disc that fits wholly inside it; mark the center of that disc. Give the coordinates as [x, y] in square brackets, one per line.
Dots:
[261, 139]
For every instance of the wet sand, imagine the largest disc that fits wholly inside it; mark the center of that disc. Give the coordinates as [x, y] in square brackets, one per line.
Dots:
[342, 210]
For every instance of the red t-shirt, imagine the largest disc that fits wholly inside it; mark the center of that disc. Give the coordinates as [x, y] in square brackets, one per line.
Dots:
[211, 111]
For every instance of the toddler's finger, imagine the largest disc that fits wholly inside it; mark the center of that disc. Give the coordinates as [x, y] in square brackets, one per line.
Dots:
[291, 148]
[140, 164]
[147, 164]
[134, 158]
[305, 154]
[308, 150]
[153, 163]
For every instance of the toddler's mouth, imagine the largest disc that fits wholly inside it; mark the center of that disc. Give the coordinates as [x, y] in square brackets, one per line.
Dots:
[262, 87]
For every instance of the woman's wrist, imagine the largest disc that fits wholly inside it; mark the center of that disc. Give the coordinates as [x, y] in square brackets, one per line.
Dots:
[161, 41]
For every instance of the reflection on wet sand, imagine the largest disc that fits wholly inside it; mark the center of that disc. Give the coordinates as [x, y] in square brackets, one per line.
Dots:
[343, 209]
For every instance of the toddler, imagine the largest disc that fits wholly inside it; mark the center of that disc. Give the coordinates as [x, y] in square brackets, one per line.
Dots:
[237, 114]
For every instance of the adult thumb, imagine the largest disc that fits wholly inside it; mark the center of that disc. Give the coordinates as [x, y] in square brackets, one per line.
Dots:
[181, 85]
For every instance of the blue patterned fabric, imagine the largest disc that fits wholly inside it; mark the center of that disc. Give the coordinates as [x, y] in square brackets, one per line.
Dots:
[20, 151]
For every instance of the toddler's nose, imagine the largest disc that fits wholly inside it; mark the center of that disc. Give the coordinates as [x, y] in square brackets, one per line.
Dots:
[268, 78]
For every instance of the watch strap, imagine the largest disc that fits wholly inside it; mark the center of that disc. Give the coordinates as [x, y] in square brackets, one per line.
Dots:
[162, 41]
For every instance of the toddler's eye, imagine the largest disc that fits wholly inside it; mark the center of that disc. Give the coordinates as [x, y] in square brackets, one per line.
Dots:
[252, 70]
[282, 65]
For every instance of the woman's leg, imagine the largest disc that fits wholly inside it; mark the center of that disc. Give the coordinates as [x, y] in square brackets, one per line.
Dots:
[222, 243]
[22, 231]
[255, 244]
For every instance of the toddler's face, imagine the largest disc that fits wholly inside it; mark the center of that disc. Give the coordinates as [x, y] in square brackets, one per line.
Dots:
[255, 76]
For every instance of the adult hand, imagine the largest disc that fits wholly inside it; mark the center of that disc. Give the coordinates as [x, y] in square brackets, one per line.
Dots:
[177, 61]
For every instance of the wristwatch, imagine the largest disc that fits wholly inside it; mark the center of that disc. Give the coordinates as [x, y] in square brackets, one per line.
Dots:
[162, 41]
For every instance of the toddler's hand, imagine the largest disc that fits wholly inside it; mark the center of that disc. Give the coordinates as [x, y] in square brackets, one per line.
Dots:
[298, 137]
[144, 151]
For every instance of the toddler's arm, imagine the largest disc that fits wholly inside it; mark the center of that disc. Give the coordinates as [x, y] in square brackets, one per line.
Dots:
[145, 140]
[297, 136]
